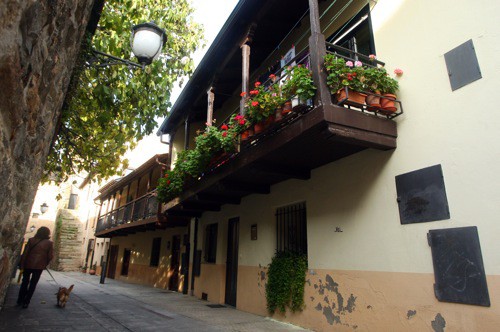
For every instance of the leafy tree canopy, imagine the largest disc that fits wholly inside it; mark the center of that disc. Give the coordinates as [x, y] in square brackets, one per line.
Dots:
[110, 108]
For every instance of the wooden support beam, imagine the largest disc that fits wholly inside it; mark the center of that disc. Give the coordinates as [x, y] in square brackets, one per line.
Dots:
[245, 74]
[317, 49]
[210, 107]
[286, 170]
[245, 187]
[221, 199]
[199, 206]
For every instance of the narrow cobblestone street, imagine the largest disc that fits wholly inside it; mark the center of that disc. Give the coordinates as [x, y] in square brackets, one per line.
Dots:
[118, 306]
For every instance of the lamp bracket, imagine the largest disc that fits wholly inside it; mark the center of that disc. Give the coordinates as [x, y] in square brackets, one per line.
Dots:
[101, 59]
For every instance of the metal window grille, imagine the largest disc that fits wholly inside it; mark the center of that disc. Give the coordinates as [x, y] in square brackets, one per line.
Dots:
[291, 228]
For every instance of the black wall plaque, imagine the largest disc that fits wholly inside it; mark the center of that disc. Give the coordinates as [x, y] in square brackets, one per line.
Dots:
[197, 263]
[458, 266]
[422, 196]
[463, 67]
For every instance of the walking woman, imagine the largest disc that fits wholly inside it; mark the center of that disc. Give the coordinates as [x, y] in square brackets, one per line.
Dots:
[37, 254]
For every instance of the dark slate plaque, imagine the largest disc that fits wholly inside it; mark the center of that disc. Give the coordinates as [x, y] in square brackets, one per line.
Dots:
[463, 67]
[458, 266]
[197, 263]
[422, 196]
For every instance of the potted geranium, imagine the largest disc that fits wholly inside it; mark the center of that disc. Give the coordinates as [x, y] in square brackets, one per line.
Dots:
[298, 83]
[345, 79]
[260, 106]
[388, 88]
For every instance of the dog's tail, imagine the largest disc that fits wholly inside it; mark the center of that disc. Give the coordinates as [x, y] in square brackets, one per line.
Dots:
[70, 289]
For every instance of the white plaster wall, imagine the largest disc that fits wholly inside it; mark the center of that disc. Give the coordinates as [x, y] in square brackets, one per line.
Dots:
[456, 129]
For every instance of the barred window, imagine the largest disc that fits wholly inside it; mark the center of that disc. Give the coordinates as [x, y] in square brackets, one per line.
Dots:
[291, 228]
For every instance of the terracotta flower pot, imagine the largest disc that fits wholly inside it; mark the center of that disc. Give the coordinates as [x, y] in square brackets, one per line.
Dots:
[245, 135]
[287, 107]
[373, 102]
[258, 127]
[353, 98]
[387, 104]
[278, 114]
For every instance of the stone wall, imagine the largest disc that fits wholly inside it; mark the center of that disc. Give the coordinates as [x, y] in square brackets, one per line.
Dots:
[68, 237]
[39, 44]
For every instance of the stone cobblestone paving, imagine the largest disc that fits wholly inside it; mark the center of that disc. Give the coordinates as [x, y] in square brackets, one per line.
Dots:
[119, 306]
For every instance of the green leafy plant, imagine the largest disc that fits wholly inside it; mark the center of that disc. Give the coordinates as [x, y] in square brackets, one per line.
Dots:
[286, 280]
[298, 83]
[110, 108]
[343, 73]
[388, 84]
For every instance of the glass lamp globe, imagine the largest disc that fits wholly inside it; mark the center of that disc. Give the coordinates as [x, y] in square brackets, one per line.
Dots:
[147, 41]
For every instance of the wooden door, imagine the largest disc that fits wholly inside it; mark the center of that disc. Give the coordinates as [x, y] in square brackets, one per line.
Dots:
[173, 283]
[126, 262]
[232, 261]
[113, 259]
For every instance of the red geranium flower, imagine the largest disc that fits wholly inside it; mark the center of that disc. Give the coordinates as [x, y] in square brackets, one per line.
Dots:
[241, 122]
[254, 92]
[255, 103]
[257, 84]
[224, 134]
[243, 94]
[168, 182]
[272, 76]
[224, 127]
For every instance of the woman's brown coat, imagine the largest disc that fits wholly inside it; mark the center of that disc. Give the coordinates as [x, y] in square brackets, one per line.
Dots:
[37, 254]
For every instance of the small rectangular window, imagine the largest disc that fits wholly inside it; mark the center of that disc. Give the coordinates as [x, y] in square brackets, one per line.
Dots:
[291, 228]
[155, 252]
[211, 243]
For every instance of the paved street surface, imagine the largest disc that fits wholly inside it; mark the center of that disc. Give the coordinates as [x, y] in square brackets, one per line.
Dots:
[118, 306]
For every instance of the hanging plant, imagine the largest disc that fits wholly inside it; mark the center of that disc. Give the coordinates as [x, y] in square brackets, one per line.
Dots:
[286, 280]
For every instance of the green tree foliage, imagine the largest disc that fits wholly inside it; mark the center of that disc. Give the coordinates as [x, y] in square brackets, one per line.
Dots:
[110, 108]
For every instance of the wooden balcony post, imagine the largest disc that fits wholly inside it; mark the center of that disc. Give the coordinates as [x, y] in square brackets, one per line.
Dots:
[245, 74]
[317, 48]
[210, 108]
[186, 133]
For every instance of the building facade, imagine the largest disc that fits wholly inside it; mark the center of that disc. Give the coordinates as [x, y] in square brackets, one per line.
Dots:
[397, 214]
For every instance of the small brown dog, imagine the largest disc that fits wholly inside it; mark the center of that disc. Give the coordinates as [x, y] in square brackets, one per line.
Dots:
[63, 296]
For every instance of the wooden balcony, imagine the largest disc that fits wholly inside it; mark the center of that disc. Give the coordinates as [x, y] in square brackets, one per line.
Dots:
[140, 215]
[289, 150]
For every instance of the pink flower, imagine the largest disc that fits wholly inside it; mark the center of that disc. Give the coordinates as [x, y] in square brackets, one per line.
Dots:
[243, 94]
[255, 103]
[358, 64]
[224, 127]
[398, 71]
[372, 56]
[241, 122]
[349, 64]
[238, 117]
[257, 84]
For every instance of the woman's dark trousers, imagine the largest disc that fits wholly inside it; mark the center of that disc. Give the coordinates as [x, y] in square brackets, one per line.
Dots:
[30, 279]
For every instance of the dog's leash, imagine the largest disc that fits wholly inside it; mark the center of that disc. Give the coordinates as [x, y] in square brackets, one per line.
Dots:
[52, 277]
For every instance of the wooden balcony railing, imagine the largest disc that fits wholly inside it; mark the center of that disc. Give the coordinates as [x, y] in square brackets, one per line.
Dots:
[137, 210]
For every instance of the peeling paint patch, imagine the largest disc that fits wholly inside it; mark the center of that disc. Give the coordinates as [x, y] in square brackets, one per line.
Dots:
[330, 317]
[319, 307]
[330, 284]
[438, 324]
[411, 313]
[351, 303]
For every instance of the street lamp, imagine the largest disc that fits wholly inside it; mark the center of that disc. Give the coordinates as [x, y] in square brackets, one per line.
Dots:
[43, 208]
[147, 40]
